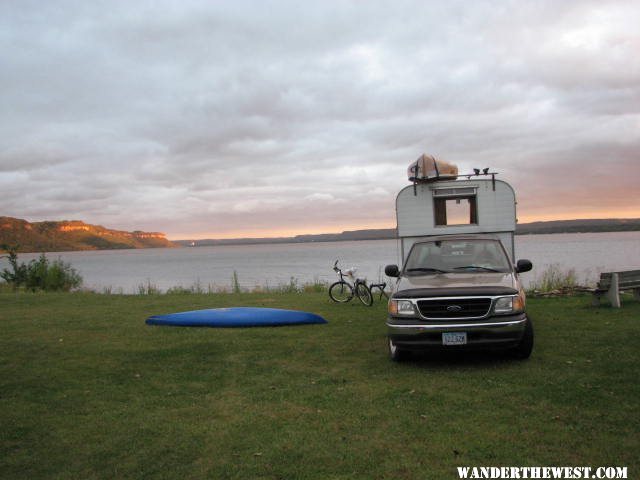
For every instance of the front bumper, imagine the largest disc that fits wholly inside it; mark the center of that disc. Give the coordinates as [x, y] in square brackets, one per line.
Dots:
[492, 332]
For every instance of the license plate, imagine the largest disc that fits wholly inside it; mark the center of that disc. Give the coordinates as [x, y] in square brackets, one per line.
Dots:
[454, 338]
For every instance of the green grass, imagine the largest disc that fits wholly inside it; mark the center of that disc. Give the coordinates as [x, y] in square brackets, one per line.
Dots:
[87, 390]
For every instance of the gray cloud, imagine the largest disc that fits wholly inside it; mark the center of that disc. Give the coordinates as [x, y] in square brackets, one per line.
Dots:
[216, 119]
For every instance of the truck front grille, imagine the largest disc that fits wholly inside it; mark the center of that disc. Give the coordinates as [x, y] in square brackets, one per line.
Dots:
[454, 307]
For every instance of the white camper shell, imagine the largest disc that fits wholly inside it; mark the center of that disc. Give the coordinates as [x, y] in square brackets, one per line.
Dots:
[477, 204]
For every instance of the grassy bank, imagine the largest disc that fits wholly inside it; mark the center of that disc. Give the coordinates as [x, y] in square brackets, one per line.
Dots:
[88, 391]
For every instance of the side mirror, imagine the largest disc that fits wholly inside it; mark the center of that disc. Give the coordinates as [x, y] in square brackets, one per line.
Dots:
[523, 266]
[392, 271]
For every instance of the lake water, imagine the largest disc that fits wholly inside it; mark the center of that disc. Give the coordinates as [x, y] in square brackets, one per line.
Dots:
[273, 265]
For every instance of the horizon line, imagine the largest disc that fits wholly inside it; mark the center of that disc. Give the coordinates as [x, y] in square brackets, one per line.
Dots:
[175, 238]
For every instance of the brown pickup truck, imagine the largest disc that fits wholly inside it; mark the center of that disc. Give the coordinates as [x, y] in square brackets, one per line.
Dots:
[458, 292]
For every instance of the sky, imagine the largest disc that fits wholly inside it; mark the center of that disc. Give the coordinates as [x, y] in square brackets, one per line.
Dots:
[223, 119]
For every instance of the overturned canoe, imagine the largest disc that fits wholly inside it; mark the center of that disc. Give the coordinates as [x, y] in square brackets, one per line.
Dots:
[236, 317]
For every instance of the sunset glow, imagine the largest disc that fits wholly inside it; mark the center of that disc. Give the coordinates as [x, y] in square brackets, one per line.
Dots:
[234, 119]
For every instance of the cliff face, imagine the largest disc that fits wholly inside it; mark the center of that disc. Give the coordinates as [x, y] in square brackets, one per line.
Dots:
[73, 235]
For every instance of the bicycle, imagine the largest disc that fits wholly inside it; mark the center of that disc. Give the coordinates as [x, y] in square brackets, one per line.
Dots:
[343, 291]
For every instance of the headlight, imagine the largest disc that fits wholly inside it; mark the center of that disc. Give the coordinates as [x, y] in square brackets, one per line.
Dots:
[513, 304]
[401, 307]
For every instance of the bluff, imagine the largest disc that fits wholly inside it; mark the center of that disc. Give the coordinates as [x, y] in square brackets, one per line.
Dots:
[59, 236]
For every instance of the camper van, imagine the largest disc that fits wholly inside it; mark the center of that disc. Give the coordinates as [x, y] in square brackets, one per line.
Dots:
[458, 285]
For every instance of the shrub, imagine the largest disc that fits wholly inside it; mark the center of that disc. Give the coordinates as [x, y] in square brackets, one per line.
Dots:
[291, 287]
[40, 274]
[553, 278]
[148, 288]
[318, 286]
[180, 290]
[51, 276]
[17, 276]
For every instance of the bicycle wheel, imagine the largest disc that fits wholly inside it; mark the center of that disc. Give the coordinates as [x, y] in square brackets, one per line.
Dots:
[364, 294]
[341, 292]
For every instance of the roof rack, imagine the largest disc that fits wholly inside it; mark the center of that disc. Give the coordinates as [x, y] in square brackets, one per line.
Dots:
[485, 172]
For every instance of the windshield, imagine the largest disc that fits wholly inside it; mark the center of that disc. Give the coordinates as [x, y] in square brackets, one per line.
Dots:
[457, 256]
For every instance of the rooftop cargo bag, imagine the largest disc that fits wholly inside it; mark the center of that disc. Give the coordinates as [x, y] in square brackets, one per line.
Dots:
[427, 168]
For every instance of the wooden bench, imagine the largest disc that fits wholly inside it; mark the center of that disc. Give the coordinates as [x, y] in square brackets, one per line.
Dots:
[612, 283]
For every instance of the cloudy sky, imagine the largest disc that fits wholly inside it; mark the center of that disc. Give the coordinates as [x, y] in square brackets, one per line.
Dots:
[231, 118]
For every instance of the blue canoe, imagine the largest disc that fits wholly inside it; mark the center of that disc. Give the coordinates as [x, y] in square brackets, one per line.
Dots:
[236, 317]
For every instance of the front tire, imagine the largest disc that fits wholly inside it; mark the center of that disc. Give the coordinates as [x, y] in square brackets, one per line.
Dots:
[524, 348]
[364, 294]
[341, 292]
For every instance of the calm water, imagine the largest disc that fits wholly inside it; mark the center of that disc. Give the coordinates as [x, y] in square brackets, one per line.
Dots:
[273, 265]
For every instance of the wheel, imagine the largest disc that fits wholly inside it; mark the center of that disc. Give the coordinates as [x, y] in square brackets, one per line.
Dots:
[395, 353]
[341, 292]
[524, 348]
[364, 294]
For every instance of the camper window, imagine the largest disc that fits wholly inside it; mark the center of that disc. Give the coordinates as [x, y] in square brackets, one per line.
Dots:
[458, 210]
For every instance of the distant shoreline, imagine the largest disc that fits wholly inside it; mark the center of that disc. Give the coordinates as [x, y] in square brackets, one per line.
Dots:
[533, 228]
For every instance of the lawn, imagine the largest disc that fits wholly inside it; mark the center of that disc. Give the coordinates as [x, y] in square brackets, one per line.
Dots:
[87, 390]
